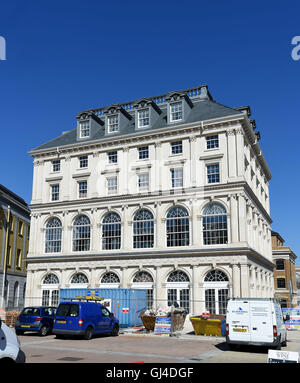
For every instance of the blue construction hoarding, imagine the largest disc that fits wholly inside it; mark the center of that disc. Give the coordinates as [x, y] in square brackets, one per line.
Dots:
[126, 304]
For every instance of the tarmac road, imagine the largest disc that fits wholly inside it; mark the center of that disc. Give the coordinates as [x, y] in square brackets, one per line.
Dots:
[135, 347]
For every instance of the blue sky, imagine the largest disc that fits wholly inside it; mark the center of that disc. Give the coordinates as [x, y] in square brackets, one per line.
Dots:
[67, 56]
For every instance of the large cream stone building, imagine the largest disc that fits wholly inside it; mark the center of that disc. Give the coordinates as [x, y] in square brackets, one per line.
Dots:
[168, 193]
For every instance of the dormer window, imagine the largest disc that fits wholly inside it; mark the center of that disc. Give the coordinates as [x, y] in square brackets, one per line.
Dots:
[143, 118]
[179, 107]
[176, 111]
[84, 129]
[113, 123]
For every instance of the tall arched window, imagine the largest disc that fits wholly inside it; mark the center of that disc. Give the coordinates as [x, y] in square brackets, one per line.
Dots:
[214, 224]
[111, 231]
[143, 280]
[110, 280]
[178, 231]
[53, 236]
[216, 289]
[143, 229]
[81, 233]
[50, 290]
[178, 289]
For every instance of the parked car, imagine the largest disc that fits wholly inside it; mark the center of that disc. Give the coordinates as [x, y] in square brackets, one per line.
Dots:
[38, 319]
[84, 319]
[255, 321]
[10, 350]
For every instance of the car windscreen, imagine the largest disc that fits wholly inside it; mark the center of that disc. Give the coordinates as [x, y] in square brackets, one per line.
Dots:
[67, 309]
[31, 311]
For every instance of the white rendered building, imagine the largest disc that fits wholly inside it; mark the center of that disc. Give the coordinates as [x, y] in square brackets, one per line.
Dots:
[168, 193]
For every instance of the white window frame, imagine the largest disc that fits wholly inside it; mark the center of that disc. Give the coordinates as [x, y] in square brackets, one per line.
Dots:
[206, 172]
[175, 112]
[84, 129]
[175, 147]
[142, 152]
[175, 179]
[83, 162]
[113, 121]
[80, 182]
[146, 183]
[112, 190]
[110, 157]
[52, 193]
[56, 166]
[142, 118]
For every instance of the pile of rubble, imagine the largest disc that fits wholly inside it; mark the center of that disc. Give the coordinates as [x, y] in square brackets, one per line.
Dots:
[164, 311]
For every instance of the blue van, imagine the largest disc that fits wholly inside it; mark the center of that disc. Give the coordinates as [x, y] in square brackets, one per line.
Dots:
[85, 319]
[38, 318]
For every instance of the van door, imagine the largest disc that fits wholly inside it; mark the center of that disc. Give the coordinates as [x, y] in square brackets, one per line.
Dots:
[238, 319]
[261, 321]
[67, 316]
[106, 320]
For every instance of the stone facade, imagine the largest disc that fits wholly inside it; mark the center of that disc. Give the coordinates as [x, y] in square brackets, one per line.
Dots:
[214, 258]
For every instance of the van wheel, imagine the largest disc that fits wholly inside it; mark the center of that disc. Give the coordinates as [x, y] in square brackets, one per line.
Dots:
[115, 331]
[88, 333]
[44, 330]
[284, 344]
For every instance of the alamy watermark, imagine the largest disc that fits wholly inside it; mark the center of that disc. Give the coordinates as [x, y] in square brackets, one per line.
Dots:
[2, 48]
[296, 49]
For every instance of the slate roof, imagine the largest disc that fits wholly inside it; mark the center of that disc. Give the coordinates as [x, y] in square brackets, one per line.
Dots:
[203, 109]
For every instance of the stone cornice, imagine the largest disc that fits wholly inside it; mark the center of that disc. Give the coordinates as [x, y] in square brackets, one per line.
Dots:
[154, 254]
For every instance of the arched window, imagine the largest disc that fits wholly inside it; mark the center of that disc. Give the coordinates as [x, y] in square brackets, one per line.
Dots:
[79, 278]
[111, 231]
[144, 280]
[215, 276]
[142, 277]
[178, 289]
[214, 224]
[216, 287]
[143, 229]
[110, 280]
[50, 290]
[53, 236]
[81, 233]
[50, 279]
[178, 231]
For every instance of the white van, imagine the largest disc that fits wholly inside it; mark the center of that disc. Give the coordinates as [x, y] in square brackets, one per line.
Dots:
[255, 321]
[10, 346]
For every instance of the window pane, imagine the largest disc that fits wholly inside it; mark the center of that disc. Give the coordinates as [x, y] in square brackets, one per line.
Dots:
[176, 147]
[213, 173]
[111, 232]
[84, 129]
[143, 229]
[176, 111]
[143, 118]
[177, 227]
[53, 236]
[177, 178]
[212, 142]
[81, 234]
[143, 152]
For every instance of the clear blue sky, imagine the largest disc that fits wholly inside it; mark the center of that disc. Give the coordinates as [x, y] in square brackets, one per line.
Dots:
[66, 56]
